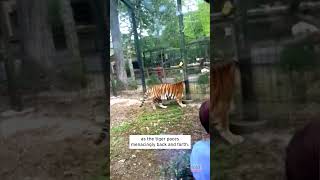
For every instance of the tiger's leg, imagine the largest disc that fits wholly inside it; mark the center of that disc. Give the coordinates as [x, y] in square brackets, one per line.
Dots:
[224, 130]
[153, 104]
[180, 103]
[161, 105]
[229, 136]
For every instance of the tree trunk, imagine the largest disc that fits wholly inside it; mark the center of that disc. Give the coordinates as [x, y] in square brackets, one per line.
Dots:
[183, 50]
[243, 50]
[116, 41]
[6, 56]
[130, 64]
[71, 35]
[35, 33]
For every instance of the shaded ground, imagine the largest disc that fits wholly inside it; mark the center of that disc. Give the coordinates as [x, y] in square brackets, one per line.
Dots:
[53, 142]
[262, 154]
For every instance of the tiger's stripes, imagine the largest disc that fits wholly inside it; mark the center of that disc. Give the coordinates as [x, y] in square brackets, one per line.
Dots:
[102, 136]
[93, 105]
[166, 91]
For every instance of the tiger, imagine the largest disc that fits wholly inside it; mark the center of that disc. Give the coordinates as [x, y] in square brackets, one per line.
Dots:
[222, 87]
[165, 91]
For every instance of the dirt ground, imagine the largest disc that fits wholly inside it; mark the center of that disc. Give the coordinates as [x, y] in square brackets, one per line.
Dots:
[55, 141]
[262, 154]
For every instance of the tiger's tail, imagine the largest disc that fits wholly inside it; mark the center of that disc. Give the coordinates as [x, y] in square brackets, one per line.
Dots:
[102, 136]
[144, 98]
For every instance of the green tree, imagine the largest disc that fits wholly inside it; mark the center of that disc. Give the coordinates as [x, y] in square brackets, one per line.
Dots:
[197, 23]
[158, 19]
[159, 22]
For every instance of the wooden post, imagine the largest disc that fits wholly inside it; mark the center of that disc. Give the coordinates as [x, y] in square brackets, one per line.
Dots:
[183, 50]
[243, 51]
[136, 41]
[164, 72]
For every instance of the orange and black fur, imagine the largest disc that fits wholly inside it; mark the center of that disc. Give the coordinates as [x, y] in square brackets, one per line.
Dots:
[222, 87]
[166, 91]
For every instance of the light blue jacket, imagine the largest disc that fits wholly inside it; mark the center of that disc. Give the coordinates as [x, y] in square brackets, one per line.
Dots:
[200, 160]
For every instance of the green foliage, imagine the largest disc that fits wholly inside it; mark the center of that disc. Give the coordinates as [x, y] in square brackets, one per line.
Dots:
[297, 58]
[123, 127]
[197, 24]
[159, 20]
[127, 67]
[203, 79]
[197, 49]
[113, 85]
[133, 85]
[153, 80]
[156, 122]
[119, 85]
[178, 77]
[203, 82]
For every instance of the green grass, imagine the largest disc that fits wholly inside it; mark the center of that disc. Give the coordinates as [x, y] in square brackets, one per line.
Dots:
[121, 128]
[153, 123]
[150, 122]
[171, 120]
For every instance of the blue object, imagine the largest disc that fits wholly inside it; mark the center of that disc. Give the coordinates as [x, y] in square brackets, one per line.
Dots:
[200, 160]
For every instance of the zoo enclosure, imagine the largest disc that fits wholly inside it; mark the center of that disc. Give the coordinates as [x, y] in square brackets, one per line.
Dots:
[167, 59]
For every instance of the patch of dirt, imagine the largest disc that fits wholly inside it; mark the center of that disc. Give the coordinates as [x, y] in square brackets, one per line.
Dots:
[29, 156]
[249, 160]
[123, 109]
[269, 136]
[55, 142]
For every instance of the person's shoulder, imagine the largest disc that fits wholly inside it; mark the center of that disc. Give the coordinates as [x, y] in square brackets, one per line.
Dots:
[203, 144]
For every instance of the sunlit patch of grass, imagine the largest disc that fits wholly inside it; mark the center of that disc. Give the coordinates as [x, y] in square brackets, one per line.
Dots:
[149, 122]
[154, 122]
[121, 128]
